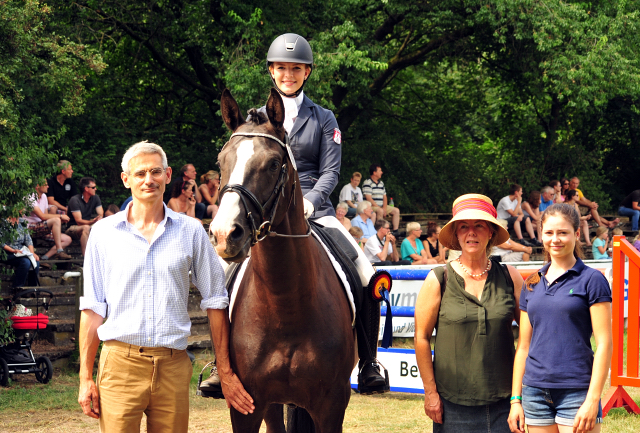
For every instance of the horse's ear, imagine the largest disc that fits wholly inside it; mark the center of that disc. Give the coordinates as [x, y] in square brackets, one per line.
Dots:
[230, 111]
[275, 109]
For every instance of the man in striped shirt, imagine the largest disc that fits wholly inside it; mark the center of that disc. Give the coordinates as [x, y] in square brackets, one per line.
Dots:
[136, 276]
[375, 193]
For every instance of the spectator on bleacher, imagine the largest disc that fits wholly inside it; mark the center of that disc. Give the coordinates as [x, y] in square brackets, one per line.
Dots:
[510, 209]
[62, 187]
[182, 200]
[412, 249]
[531, 208]
[341, 212]
[511, 251]
[546, 197]
[81, 208]
[209, 184]
[363, 219]
[591, 205]
[636, 242]
[435, 249]
[600, 244]
[630, 208]
[351, 194]
[112, 209]
[47, 226]
[381, 249]
[124, 204]
[571, 198]
[564, 185]
[23, 264]
[376, 194]
[557, 191]
[187, 173]
[356, 232]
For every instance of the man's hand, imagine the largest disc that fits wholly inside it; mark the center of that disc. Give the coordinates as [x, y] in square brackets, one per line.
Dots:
[35, 256]
[391, 238]
[89, 398]
[64, 218]
[235, 394]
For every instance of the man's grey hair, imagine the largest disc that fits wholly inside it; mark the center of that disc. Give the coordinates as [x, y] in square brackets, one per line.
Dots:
[362, 206]
[63, 164]
[546, 189]
[143, 148]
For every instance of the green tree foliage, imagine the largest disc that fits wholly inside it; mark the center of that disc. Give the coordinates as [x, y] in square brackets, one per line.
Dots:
[449, 96]
[41, 83]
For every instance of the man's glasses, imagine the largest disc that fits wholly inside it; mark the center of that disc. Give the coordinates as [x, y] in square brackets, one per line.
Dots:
[92, 187]
[155, 173]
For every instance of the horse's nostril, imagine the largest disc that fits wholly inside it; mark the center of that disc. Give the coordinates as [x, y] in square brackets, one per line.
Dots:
[213, 239]
[237, 234]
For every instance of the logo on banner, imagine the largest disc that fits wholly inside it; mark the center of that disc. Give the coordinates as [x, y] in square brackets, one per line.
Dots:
[337, 136]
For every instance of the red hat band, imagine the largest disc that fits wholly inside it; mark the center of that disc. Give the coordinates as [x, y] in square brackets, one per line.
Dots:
[474, 204]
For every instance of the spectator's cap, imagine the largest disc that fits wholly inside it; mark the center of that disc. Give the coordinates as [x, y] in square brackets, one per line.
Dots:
[472, 207]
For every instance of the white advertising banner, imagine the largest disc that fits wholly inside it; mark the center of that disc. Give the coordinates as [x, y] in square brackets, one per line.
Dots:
[403, 370]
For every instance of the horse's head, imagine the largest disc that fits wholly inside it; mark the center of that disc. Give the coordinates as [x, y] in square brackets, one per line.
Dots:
[255, 171]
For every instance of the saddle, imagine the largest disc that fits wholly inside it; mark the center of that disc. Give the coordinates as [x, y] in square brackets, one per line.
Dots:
[344, 253]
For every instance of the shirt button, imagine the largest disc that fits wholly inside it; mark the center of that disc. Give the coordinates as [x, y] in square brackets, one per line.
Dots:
[149, 317]
[149, 339]
[149, 273]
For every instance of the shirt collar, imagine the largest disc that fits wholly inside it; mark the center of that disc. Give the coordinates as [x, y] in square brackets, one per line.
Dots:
[169, 215]
[576, 269]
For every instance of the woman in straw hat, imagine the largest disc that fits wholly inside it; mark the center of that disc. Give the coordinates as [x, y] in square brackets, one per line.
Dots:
[472, 302]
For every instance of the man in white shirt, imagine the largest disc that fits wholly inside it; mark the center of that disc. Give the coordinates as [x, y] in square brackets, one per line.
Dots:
[381, 249]
[509, 208]
[136, 275]
[351, 194]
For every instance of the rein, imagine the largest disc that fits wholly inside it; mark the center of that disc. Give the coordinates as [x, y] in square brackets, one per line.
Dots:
[264, 228]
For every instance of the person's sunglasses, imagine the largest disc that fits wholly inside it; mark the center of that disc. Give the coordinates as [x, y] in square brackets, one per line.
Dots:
[92, 187]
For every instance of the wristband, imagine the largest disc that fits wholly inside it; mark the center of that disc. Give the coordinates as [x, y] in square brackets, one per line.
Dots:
[515, 397]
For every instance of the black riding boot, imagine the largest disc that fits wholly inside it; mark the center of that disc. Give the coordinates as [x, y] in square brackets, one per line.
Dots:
[370, 381]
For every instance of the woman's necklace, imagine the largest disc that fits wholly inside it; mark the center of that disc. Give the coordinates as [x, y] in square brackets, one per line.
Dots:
[474, 275]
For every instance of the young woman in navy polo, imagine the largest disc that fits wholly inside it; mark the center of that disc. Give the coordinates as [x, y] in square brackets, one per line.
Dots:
[557, 378]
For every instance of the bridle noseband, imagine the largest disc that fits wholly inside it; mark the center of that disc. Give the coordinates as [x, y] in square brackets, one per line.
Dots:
[264, 228]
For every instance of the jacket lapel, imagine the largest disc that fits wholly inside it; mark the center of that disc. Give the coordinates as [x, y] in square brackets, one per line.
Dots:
[303, 115]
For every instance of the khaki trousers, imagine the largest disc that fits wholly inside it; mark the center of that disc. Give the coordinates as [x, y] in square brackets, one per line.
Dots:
[133, 380]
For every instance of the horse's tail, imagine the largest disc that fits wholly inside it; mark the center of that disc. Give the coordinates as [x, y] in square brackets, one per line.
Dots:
[299, 420]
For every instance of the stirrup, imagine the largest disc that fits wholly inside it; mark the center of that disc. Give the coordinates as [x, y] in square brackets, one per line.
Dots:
[368, 390]
[208, 393]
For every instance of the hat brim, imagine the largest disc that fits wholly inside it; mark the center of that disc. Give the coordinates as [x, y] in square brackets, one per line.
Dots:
[448, 236]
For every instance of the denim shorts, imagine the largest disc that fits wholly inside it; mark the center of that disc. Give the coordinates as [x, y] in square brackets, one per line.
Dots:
[544, 406]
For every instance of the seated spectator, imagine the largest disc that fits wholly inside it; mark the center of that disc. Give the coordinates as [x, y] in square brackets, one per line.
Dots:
[356, 232]
[531, 209]
[363, 219]
[381, 249]
[62, 187]
[546, 198]
[510, 209]
[571, 199]
[351, 194]
[81, 208]
[376, 194]
[564, 185]
[124, 204]
[600, 244]
[629, 207]
[511, 251]
[47, 226]
[182, 199]
[435, 250]
[591, 205]
[341, 211]
[412, 249]
[112, 209]
[636, 242]
[557, 191]
[23, 264]
[187, 173]
[209, 184]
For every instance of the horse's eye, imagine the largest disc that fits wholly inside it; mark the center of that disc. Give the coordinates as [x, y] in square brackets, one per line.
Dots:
[274, 165]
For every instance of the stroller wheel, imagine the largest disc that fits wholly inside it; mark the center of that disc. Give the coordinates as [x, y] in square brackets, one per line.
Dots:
[45, 370]
[4, 373]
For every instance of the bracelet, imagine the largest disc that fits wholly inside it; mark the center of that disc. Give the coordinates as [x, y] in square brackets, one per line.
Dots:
[516, 402]
[515, 397]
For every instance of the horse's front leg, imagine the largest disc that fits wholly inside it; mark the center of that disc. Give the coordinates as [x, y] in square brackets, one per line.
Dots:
[246, 423]
[274, 419]
[328, 411]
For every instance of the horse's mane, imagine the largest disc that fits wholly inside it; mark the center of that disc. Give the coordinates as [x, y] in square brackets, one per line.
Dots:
[257, 117]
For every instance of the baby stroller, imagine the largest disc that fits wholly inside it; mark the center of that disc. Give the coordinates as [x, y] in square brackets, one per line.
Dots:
[17, 357]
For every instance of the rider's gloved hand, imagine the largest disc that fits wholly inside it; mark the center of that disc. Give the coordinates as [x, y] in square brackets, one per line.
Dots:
[308, 208]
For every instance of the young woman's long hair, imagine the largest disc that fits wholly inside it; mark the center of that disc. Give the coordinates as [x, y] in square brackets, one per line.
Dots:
[570, 214]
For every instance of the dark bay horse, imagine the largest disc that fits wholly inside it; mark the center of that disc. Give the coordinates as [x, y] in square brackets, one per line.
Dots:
[291, 336]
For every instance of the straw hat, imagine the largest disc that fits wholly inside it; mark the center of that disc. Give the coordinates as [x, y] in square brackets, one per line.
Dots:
[472, 207]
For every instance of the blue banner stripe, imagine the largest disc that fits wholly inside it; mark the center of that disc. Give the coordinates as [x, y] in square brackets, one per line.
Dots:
[408, 274]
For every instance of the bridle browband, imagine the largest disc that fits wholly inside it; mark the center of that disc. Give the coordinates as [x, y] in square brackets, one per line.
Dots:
[264, 228]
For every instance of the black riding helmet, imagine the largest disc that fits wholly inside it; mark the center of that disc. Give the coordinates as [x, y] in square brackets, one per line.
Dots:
[290, 48]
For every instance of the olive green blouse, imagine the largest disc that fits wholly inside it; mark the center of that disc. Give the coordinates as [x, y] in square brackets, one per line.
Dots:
[474, 348]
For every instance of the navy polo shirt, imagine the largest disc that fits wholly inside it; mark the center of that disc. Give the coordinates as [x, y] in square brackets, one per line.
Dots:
[560, 354]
